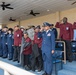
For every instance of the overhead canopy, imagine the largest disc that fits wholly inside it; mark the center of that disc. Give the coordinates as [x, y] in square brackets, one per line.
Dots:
[23, 7]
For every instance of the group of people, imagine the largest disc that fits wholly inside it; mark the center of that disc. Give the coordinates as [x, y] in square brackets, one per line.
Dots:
[34, 47]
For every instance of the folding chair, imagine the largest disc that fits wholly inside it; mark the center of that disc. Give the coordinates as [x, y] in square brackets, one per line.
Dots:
[73, 44]
[59, 46]
[57, 58]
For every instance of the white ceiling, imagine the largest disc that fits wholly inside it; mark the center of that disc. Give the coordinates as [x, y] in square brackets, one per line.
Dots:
[23, 7]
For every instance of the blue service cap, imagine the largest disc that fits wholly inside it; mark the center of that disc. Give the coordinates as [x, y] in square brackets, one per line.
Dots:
[47, 24]
[10, 29]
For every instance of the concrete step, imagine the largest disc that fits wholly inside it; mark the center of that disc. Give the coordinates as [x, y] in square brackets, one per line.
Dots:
[66, 72]
[70, 66]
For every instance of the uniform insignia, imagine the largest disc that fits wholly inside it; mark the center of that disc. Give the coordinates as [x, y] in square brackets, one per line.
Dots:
[73, 45]
[9, 35]
[5, 33]
[48, 34]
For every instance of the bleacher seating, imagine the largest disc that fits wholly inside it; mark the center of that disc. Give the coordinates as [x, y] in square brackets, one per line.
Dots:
[73, 44]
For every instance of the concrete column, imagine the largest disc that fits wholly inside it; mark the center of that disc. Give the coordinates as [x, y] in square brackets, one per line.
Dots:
[57, 16]
[19, 23]
[57, 20]
[0, 26]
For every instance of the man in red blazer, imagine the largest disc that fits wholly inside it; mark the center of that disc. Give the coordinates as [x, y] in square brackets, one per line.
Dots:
[66, 34]
[17, 43]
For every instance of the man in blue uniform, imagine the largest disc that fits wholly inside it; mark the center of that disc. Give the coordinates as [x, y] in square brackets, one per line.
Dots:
[48, 47]
[10, 42]
[55, 30]
[4, 42]
[0, 42]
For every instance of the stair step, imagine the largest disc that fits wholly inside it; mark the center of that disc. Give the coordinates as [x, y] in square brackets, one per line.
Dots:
[66, 72]
[1, 72]
[70, 66]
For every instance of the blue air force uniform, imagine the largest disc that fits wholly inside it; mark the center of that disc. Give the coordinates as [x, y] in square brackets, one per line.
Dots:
[55, 32]
[10, 42]
[48, 44]
[4, 44]
[0, 42]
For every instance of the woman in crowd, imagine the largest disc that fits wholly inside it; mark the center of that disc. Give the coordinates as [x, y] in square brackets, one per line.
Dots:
[27, 51]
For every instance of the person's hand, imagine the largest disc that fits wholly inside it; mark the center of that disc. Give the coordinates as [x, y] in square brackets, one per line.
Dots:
[53, 51]
[12, 45]
[42, 28]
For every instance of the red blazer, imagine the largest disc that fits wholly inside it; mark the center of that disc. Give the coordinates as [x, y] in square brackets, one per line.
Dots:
[37, 41]
[17, 37]
[66, 32]
[74, 25]
[27, 50]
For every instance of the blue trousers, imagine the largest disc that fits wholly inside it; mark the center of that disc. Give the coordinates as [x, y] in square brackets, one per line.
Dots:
[1, 51]
[5, 50]
[10, 52]
[48, 62]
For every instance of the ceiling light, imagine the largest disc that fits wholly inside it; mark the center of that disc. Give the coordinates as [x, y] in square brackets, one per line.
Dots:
[48, 10]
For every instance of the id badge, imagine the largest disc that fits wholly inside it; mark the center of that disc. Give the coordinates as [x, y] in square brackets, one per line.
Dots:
[67, 28]
[17, 35]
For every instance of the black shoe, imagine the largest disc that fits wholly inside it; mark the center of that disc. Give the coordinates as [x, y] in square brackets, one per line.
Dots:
[26, 67]
[44, 73]
[48, 74]
[9, 59]
[1, 55]
[33, 69]
[39, 69]
[14, 60]
[29, 67]
[4, 57]
[70, 60]
[18, 61]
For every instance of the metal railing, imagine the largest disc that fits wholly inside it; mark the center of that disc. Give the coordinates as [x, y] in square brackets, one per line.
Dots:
[64, 51]
[12, 70]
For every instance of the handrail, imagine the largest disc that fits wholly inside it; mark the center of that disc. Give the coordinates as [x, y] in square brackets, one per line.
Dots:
[12, 70]
[63, 50]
